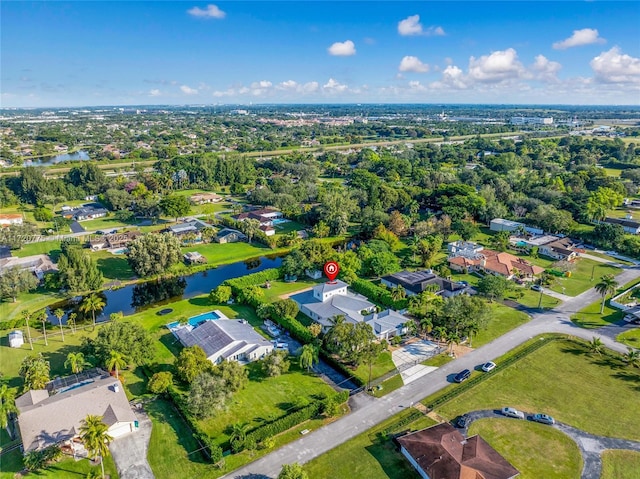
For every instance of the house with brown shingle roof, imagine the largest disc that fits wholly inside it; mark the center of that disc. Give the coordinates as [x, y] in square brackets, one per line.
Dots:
[442, 452]
[472, 257]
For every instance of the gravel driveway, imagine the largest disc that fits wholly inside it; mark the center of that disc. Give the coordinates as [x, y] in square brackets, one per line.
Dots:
[130, 452]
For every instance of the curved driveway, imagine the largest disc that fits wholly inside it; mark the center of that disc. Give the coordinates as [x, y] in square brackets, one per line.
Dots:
[590, 445]
[370, 413]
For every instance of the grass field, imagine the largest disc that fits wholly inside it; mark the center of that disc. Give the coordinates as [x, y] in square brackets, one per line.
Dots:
[546, 381]
[522, 443]
[620, 464]
[590, 317]
[383, 365]
[630, 338]
[265, 399]
[218, 254]
[501, 320]
[43, 247]
[367, 456]
[580, 280]
[65, 469]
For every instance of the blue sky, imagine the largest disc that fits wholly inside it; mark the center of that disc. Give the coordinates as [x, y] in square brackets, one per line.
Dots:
[116, 53]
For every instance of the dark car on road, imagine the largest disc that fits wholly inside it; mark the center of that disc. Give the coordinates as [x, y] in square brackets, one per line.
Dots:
[463, 421]
[462, 376]
[544, 419]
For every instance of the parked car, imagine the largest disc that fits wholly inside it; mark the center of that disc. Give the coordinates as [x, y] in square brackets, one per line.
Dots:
[462, 376]
[488, 366]
[511, 412]
[463, 421]
[543, 418]
[536, 287]
[463, 283]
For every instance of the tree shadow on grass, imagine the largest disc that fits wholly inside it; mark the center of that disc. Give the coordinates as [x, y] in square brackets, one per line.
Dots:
[201, 301]
[392, 462]
[115, 268]
[630, 377]
[164, 411]
[171, 343]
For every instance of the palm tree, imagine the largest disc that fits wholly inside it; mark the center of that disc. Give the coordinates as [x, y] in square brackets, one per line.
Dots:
[94, 436]
[607, 285]
[411, 327]
[398, 293]
[250, 227]
[308, 356]
[426, 325]
[92, 303]
[76, 362]
[116, 361]
[42, 317]
[26, 316]
[72, 319]
[238, 432]
[59, 313]
[7, 405]
[632, 358]
[596, 346]
[440, 333]
[453, 339]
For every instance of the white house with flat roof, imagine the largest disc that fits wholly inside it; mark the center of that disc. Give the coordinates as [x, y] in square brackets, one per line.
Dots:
[500, 224]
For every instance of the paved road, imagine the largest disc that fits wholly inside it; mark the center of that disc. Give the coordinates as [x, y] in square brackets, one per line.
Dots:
[370, 413]
[590, 445]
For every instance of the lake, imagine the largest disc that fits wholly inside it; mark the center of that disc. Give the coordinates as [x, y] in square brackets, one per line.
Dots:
[79, 155]
[136, 297]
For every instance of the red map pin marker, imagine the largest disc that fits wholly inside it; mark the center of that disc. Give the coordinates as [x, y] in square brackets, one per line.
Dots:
[331, 270]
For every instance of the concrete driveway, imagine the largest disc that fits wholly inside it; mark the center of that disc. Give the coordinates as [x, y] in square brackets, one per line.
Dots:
[130, 452]
[408, 358]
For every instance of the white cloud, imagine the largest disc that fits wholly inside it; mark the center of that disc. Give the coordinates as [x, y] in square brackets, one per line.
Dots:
[288, 85]
[496, 67]
[545, 69]
[212, 11]
[155, 92]
[187, 90]
[452, 77]
[342, 49]
[261, 84]
[413, 64]
[311, 87]
[333, 86]
[614, 66]
[412, 26]
[586, 36]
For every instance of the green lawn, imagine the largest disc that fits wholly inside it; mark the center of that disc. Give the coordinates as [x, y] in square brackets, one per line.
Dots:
[106, 223]
[630, 338]
[67, 468]
[279, 288]
[43, 247]
[383, 365]
[536, 450]
[501, 320]
[387, 386]
[580, 279]
[620, 464]
[547, 381]
[438, 360]
[113, 267]
[218, 254]
[368, 456]
[590, 317]
[33, 301]
[265, 399]
[531, 298]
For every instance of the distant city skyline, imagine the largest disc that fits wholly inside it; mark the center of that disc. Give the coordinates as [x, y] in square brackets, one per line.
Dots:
[59, 54]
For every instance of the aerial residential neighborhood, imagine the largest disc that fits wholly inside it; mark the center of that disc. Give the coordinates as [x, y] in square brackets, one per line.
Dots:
[348, 240]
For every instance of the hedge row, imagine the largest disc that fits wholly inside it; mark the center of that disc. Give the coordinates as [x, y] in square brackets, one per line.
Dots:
[18, 323]
[293, 419]
[181, 408]
[253, 279]
[378, 294]
[412, 417]
[512, 358]
[341, 367]
[296, 328]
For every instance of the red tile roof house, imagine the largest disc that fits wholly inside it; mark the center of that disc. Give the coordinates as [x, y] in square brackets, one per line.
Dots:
[442, 452]
[10, 219]
[472, 257]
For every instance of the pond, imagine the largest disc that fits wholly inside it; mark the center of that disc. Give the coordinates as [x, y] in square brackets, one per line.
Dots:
[79, 155]
[136, 297]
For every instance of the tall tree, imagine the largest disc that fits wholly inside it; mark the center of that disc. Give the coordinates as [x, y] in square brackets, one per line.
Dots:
[76, 362]
[308, 356]
[27, 316]
[59, 313]
[152, 254]
[7, 405]
[250, 227]
[207, 395]
[129, 339]
[35, 371]
[92, 303]
[42, 317]
[15, 281]
[116, 361]
[175, 206]
[96, 439]
[606, 285]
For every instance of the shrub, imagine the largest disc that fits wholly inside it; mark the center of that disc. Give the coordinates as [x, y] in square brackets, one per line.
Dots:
[378, 294]
[160, 382]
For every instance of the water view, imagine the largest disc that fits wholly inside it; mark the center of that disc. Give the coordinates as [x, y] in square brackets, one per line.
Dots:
[133, 298]
[79, 155]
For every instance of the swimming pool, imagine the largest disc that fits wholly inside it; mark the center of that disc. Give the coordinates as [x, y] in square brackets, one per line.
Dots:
[201, 318]
[279, 221]
[120, 251]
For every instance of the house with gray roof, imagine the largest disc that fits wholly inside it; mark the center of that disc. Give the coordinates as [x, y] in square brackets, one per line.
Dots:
[225, 340]
[228, 235]
[416, 282]
[327, 300]
[47, 419]
[387, 324]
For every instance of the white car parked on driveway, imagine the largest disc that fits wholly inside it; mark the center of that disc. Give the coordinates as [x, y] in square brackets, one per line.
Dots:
[511, 412]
